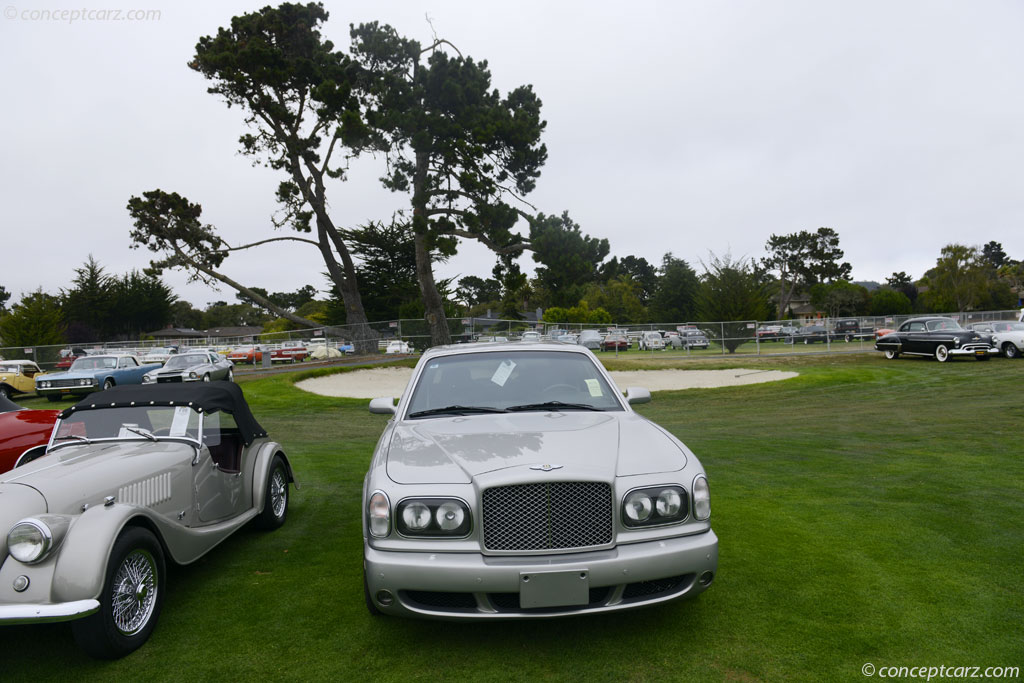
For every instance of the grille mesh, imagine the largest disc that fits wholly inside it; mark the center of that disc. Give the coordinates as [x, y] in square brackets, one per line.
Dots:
[549, 516]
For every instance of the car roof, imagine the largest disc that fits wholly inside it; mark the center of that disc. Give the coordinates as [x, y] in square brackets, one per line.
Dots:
[202, 397]
[485, 347]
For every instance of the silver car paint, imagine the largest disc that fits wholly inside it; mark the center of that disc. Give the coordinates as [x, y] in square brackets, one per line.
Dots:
[151, 484]
[461, 456]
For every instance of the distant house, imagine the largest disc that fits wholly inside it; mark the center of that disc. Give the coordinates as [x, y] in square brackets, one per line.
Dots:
[177, 333]
[233, 332]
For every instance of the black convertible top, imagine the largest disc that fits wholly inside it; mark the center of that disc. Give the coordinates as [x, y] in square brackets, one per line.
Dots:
[208, 397]
[7, 405]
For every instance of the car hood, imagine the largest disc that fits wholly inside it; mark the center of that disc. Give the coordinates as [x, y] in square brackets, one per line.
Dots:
[77, 374]
[80, 474]
[457, 449]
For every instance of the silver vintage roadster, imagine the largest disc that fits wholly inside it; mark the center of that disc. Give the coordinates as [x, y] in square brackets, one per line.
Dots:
[516, 481]
[132, 477]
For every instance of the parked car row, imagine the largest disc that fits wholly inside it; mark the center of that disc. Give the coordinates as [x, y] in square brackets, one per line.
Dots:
[521, 515]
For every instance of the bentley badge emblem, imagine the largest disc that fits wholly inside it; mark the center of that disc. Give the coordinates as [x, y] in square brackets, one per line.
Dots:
[545, 468]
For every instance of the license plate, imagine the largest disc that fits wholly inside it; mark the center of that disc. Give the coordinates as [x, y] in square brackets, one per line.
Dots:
[980, 353]
[554, 589]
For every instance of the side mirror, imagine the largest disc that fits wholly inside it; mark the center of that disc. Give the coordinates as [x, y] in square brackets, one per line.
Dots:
[382, 406]
[635, 395]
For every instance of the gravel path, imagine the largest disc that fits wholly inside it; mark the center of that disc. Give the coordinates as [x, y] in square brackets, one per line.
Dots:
[391, 381]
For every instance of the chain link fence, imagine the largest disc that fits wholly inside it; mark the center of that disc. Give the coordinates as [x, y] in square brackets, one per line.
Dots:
[747, 337]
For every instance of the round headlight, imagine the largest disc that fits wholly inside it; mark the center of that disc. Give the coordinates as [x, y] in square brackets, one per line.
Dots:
[28, 541]
[84, 382]
[193, 375]
[669, 503]
[701, 498]
[416, 516]
[379, 513]
[449, 516]
[147, 378]
[638, 506]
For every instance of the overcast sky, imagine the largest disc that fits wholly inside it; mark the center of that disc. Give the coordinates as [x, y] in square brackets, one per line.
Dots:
[688, 126]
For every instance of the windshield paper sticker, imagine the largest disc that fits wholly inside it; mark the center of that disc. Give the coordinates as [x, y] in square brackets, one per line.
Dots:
[503, 372]
[180, 422]
[595, 387]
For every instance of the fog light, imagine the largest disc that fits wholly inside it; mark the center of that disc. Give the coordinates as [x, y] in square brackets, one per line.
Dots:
[385, 598]
[706, 578]
[21, 584]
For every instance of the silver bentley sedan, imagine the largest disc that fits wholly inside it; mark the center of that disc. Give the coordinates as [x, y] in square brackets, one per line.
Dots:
[515, 481]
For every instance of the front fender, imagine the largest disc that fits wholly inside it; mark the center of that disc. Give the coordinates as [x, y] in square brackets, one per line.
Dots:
[82, 557]
[260, 472]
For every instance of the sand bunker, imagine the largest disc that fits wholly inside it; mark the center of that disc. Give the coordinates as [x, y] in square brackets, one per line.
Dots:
[391, 381]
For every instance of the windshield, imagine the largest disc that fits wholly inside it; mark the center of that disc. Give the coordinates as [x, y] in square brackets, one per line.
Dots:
[94, 363]
[945, 324]
[134, 422]
[182, 362]
[516, 380]
[10, 367]
[1008, 327]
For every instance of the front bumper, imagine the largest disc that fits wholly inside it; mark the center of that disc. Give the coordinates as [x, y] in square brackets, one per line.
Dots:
[974, 351]
[458, 586]
[66, 391]
[36, 614]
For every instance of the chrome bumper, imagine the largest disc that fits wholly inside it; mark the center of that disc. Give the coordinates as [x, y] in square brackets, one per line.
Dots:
[991, 351]
[34, 614]
[397, 573]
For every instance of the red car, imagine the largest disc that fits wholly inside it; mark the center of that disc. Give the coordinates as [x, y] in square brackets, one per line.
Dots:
[23, 433]
[615, 342]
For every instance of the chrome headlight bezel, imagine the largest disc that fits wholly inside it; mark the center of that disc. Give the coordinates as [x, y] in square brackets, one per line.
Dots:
[148, 379]
[49, 531]
[434, 527]
[654, 516]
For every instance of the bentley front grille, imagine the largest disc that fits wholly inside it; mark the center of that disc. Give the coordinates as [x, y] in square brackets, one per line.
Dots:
[549, 516]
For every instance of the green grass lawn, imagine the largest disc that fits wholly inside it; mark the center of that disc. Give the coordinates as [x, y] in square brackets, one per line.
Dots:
[868, 511]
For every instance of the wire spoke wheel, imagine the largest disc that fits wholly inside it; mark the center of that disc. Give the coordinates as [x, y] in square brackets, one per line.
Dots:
[278, 493]
[134, 592]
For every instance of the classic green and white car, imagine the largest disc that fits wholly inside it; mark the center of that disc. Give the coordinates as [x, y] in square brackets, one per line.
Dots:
[133, 477]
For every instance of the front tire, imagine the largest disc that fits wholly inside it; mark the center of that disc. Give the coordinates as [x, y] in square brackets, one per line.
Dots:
[892, 354]
[231, 375]
[275, 497]
[5, 392]
[1010, 350]
[206, 377]
[133, 593]
[941, 353]
[108, 383]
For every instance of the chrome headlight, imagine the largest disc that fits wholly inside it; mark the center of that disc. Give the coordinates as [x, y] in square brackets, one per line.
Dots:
[86, 382]
[43, 384]
[148, 379]
[379, 515]
[193, 375]
[433, 517]
[701, 498]
[31, 540]
[956, 342]
[654, 506]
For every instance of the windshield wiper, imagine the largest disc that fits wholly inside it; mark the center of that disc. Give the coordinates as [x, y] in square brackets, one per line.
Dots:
[554, 405]
[142, 432]
[72, 436]
[455, 410]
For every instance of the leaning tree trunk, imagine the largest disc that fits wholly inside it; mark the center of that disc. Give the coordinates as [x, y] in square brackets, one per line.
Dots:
[432, 303]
